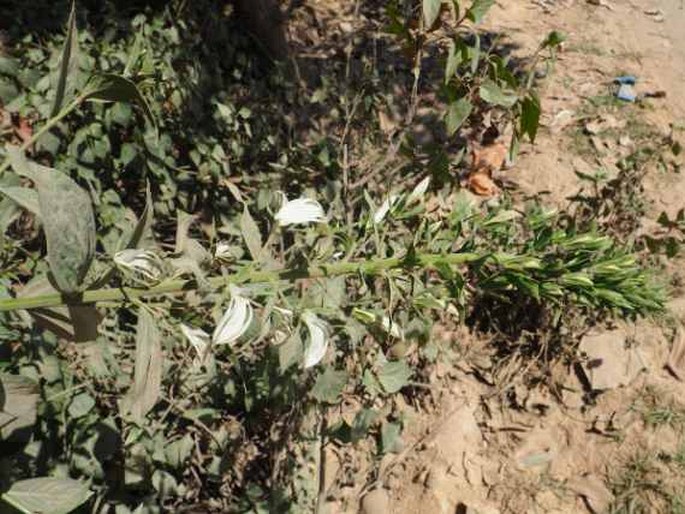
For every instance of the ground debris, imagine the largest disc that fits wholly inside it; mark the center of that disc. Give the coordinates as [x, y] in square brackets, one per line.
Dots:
[676, 358]
[595, 494]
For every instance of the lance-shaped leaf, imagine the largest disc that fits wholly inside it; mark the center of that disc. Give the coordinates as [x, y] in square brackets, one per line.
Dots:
[147, 375]
[68, 62]
[108, 87]
[23, 196]
[69, 226]
[479, 9]
[47, 495]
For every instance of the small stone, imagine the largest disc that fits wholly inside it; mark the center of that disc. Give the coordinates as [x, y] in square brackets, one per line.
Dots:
[609, 361]
[376, 502]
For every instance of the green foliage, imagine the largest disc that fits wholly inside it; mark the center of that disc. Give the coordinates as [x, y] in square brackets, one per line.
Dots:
[211, 327]
[46, 495]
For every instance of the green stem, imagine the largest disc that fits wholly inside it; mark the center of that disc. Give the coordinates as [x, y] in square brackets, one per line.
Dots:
[369, 267]
[48, 125]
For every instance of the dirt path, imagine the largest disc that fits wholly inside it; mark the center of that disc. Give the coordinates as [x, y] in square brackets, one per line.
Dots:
[491, 449]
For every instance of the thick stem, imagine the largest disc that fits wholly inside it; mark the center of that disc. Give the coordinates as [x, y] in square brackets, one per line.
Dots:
[370, 267]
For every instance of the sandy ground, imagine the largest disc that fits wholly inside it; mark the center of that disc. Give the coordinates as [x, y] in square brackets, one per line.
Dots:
[492, 448]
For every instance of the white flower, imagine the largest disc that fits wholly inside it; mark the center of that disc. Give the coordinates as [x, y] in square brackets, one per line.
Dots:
[235, 322]
[198, 338]
[300, 211]
[419, 190]
[143, 265]
[223, 251]
[392, 328]
[318, 339]
[385, 207]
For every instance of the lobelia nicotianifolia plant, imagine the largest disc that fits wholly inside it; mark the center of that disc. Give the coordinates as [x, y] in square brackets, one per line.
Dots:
[316, 278]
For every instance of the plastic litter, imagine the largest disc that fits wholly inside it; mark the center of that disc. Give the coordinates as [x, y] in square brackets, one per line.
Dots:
[626, 93]
[626, 79]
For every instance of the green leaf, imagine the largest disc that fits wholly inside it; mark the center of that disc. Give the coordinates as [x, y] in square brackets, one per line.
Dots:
[329, 385]
[390, 438]
[109, 87]
[394, 375]
[251, 234]
[454, 58]
[147, 375]
[530, 116]
[479, 9]
[68, 61]
[431, 11]
[19, 162]
[47, 495]
[179, 451]
[69, 226]
[24, 196]
[144, 225]
[457, 113]
[80, 405]
[290, 351]
[18, 413]
[553, 39]
[491, 93]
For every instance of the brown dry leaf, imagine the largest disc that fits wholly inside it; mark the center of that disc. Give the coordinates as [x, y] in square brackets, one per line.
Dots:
[482, 184]
[491, 157]
[386, 122]
[676, 359]
[24, 130]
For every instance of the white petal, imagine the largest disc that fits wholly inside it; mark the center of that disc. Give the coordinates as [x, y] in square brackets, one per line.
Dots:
[300, 211]
[384, 209]
[144, 263]
[223, 251]
[392, 328]
[235, 321]
[318, 339]
[198, 338]
[419, 191]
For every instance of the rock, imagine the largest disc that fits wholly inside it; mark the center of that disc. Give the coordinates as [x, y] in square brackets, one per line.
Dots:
[609, 361]
[376, 502]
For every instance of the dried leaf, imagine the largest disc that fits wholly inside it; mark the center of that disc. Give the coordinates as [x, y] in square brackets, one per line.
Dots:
[481, 184]
[491, 157]
[676, 358]
[147, 377]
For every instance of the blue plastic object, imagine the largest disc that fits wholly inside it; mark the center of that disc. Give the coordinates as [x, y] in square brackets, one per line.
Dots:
[626, 79]
[626, 93]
